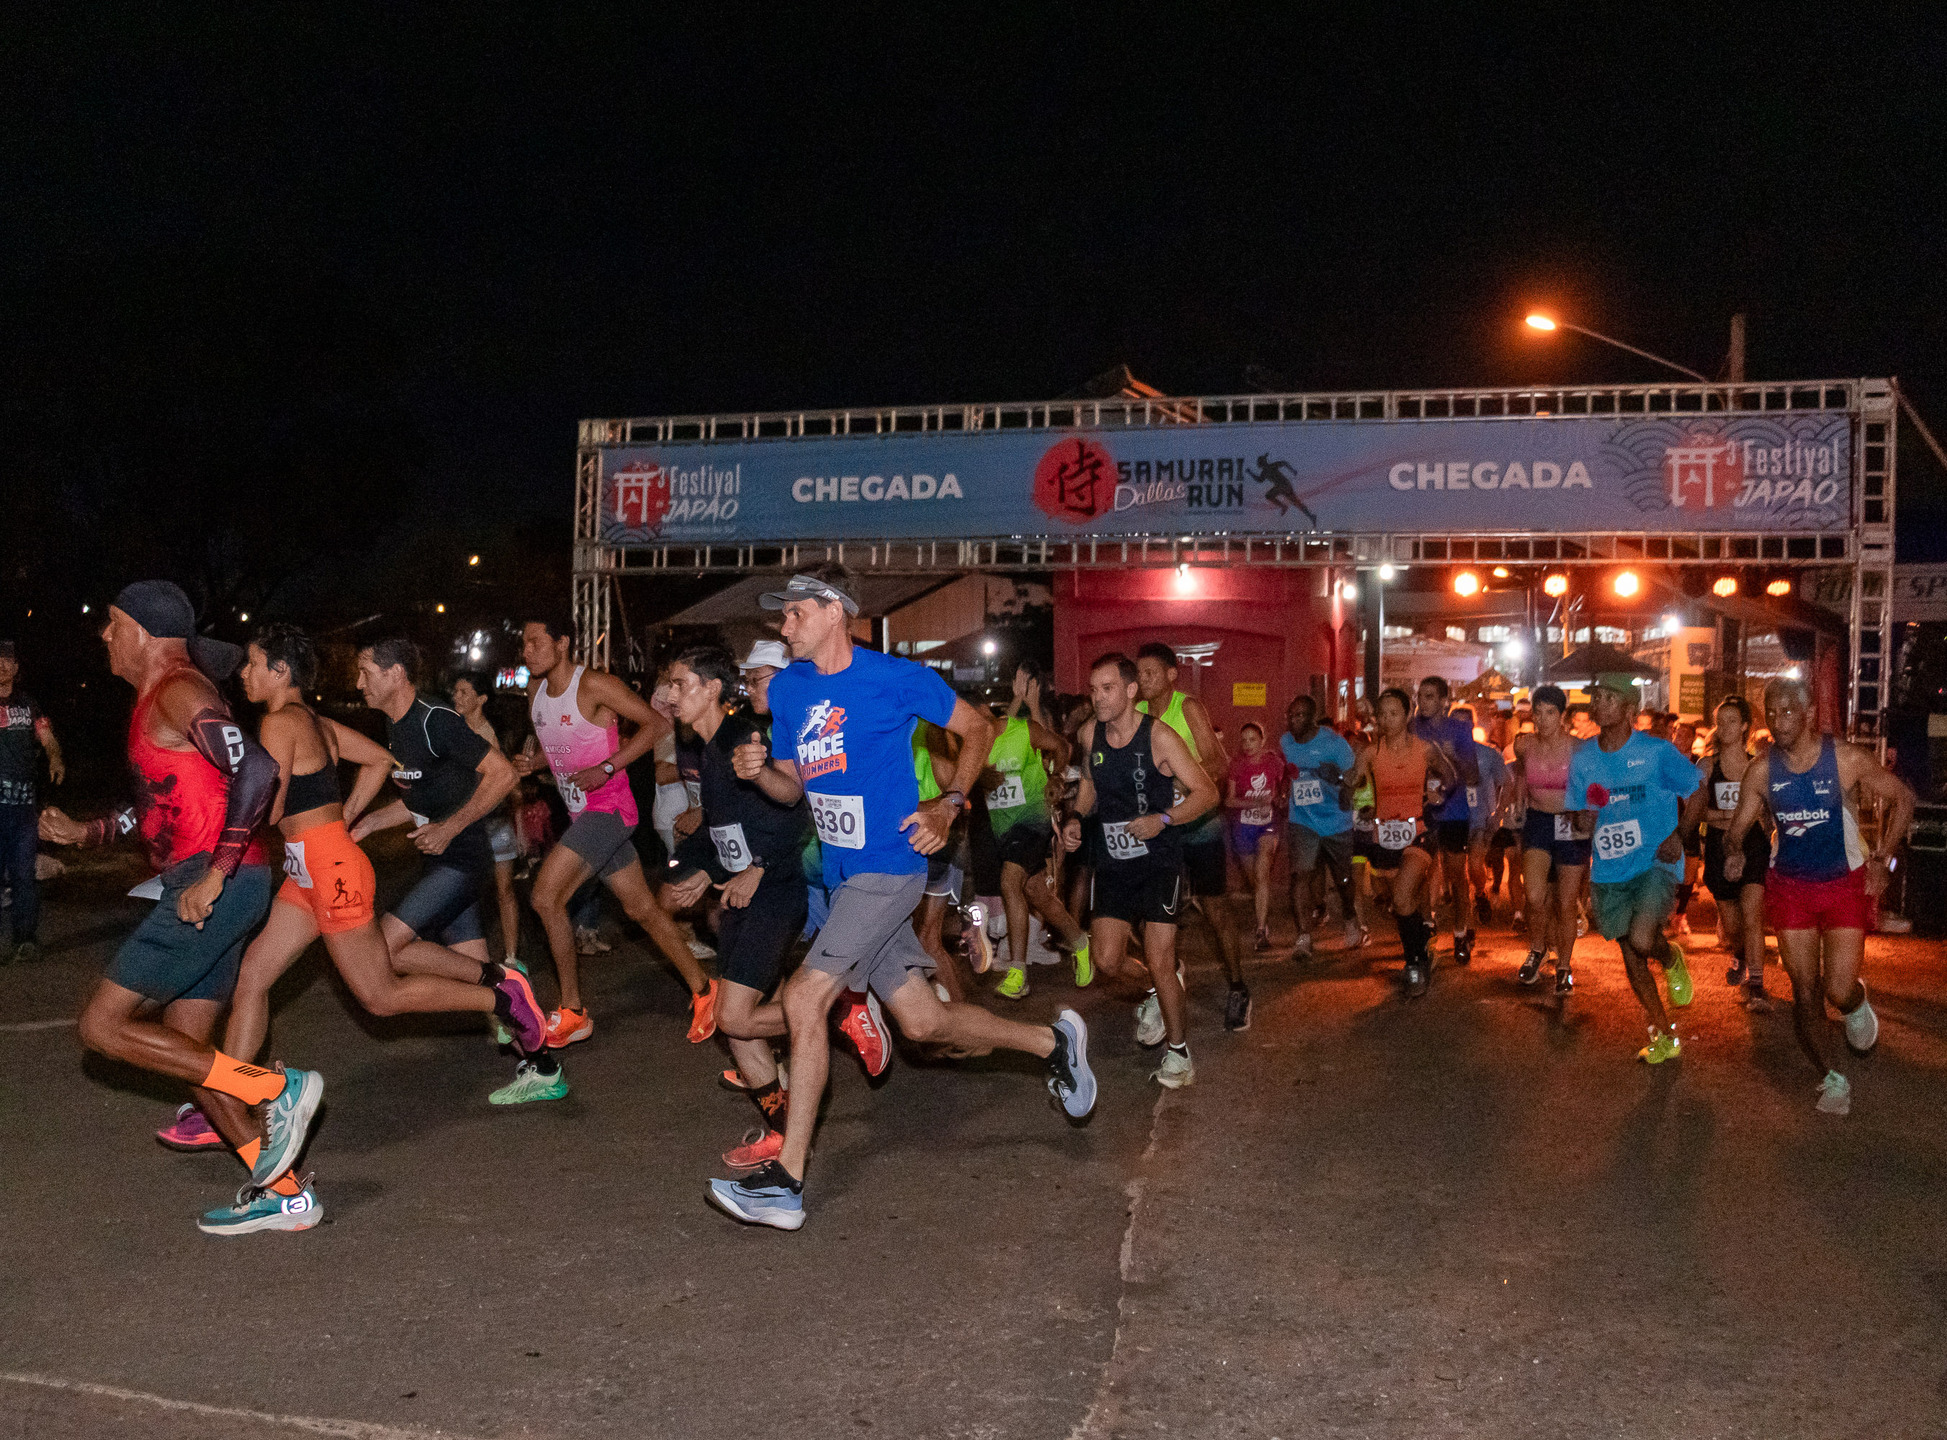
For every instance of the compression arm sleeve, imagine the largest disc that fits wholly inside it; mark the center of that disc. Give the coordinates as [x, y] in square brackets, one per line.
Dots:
[253, 782]
[110, 827]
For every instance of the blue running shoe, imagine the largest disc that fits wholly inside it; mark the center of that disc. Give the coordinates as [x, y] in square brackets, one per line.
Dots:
[1069, 1079]
[256, 1210]
[287, 1120]
[765, 1198]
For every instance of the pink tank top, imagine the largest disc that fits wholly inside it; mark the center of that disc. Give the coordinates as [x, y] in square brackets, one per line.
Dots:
[572, 743]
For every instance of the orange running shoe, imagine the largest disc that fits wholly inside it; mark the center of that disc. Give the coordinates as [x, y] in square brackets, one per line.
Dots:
[566, 1026]
[865, 1026]
[703, 1013]
[760, 1147]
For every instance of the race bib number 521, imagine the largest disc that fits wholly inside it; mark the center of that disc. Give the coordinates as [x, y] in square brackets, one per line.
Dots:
[840, 819]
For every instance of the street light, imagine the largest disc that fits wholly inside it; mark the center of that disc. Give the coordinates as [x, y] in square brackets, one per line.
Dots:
[1386, 571]
[1724, 587]
[1627, 583]
[988, 647]
[1466, 583]
[1555, 586]
[1779, 586]
[1539, 321]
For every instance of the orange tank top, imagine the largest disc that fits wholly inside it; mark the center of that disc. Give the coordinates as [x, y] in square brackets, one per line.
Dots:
[180, 798]
[1399, 782]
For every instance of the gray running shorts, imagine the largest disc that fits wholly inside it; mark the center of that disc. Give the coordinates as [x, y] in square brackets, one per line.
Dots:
[868, 941]
[602, 840]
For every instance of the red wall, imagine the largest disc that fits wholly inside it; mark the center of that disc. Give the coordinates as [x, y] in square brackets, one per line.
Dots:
[1274, 625]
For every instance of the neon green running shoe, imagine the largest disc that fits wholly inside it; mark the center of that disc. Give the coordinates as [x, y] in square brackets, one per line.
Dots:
[1014, 984]
[1084, 967]
[1664, 1046]
[1678, 975]
[530, 1084]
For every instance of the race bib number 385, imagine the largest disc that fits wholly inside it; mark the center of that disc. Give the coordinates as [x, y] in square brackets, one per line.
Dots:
[1617, 839]
[840, 819]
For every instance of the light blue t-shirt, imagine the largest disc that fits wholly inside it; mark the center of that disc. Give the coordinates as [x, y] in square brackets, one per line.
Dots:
[1320, 811]
[851, 734]
[1482, 798]
[1636, 802]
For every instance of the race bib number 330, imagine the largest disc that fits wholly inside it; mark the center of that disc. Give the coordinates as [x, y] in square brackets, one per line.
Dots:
[840, 819]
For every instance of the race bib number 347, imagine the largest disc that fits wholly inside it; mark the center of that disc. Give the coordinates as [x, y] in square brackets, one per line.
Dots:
[840, 819]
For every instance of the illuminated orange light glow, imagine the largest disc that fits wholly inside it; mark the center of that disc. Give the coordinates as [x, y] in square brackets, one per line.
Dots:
[1726, 586]
[1466, 583]
[1555, 585]
[1627, 584]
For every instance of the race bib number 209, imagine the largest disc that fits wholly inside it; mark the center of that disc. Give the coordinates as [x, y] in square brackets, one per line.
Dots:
[840, 819]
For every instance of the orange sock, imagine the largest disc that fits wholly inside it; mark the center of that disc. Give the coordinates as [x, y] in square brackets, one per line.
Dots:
[285, 1184]
[251, 1084]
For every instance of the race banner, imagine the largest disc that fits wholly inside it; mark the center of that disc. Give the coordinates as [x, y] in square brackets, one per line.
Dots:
[1777, 471]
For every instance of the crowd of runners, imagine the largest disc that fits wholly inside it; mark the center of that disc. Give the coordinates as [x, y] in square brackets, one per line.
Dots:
[817, 801]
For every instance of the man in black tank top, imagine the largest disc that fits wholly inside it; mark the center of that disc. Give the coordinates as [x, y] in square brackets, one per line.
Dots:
[1131, 767]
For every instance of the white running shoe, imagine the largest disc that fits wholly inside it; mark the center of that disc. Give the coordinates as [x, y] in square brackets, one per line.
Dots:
[1175, 1072]
[1355, 935]
[1149, 1021]
[1835, 1094]
[1862, 1025]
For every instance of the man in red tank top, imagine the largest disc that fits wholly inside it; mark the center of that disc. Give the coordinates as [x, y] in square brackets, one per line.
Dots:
[202, 789]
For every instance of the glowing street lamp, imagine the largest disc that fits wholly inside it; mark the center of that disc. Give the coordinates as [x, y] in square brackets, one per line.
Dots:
[1466, 583]
[1555, 586]
[1538, 320]
[1627, 583]
[1780, 586]
[1724, 587]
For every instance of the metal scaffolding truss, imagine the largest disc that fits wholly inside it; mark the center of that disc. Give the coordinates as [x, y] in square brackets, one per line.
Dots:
[1866, 546]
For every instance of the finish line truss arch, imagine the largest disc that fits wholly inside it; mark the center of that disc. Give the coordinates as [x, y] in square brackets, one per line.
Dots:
[1796, 474]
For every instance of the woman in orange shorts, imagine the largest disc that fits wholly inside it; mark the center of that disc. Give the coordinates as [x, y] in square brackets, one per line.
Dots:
[1408, 776]
[328, 890]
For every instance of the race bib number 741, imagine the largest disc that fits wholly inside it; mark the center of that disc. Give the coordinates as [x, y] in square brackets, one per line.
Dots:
[840, 819]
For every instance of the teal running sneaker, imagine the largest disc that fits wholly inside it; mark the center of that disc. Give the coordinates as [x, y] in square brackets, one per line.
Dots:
[530, 1084]
[256, 1210]
[287, 1121]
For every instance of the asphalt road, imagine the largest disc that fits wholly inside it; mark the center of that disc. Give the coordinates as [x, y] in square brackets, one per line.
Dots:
[1470, 1215]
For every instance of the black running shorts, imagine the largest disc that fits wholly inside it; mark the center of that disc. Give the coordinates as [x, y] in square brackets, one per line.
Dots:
[1137, 894]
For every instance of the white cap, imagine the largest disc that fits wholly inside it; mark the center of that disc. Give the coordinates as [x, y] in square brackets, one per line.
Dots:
[767, 652]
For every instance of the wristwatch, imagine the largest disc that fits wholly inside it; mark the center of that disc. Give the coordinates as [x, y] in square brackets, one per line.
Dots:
[957, 798]
[608, 768]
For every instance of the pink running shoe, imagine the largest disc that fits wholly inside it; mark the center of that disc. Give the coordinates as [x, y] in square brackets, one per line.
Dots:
[191, 1131]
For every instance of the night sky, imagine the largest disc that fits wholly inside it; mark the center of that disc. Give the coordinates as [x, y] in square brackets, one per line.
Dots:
[339, 286]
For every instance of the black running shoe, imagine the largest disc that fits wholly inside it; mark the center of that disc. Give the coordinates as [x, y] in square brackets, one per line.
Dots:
[1237, 1009]
[1564, 983]
[1530, 970]
[1735, 975]
[1483, 911]
[1463, 947]
[1415, 981]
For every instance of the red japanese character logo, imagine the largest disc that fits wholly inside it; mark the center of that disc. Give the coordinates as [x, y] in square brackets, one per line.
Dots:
[1075, 480]
[638, 495]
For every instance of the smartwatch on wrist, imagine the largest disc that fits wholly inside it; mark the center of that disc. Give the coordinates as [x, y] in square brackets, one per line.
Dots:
[956, 798]
[608, 768]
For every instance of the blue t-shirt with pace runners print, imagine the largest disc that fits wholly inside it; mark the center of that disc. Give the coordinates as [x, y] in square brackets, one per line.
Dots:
[851, 734]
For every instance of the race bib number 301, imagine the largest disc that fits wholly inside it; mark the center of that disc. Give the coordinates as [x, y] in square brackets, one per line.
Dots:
[840, 819]
[1618, 838]
[1120, 844]
[1307, 792]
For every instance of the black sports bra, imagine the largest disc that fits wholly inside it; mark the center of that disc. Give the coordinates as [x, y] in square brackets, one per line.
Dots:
[318, 787]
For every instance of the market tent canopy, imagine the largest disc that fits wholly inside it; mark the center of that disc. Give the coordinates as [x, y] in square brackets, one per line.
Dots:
[1580, 667]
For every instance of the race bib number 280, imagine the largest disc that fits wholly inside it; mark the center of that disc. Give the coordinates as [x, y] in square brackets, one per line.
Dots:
[840, 819]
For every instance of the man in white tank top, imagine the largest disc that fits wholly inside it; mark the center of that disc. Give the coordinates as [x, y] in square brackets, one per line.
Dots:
[575, 712]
